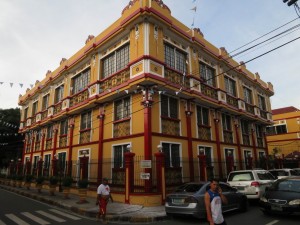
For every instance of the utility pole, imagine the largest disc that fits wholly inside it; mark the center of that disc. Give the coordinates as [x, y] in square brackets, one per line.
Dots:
[290, 2]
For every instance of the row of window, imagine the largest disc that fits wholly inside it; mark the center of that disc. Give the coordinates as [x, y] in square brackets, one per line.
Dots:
[169, 109]
[119, 59]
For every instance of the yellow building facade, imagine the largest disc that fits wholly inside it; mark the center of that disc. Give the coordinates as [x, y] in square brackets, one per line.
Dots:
[283, 136]
[147, 83]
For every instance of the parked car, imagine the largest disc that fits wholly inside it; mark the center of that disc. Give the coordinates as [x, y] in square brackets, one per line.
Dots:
[282, 173]
[282, 197]
[298, 170]
[250, 182]
[188, 199]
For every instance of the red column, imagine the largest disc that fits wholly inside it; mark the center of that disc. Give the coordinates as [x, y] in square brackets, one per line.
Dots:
[129, 174]
[160, 175]
[190, 143]
[218, 147]
[202, 166]
[42, 144]
[32, 148]
[254, 145]
[100, 147]
[55, 141]
[237, 135]
[71, 126]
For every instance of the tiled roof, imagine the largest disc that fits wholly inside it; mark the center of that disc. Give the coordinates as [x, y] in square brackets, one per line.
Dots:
[284, 110]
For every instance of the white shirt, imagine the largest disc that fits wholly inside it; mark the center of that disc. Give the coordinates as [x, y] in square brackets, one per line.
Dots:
[216, 210]
[103, 189]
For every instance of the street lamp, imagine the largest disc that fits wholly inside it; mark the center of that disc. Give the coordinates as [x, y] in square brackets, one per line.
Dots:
[128, 147]
[159, 148]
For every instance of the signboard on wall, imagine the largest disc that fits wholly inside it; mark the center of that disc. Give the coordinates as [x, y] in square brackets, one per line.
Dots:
[145, 176]
[146, 164]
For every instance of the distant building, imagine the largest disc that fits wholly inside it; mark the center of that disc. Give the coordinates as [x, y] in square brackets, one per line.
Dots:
[283, 136]
[147, 83]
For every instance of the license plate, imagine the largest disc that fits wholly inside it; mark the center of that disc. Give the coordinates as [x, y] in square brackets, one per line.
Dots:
[241, 188]
[276, 207]
[177, 200]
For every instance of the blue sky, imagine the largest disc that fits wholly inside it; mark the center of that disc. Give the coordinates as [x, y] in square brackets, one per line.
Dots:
[36, 34]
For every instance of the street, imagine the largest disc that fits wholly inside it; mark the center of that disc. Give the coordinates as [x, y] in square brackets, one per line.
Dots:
[251, 217]
[17, 209]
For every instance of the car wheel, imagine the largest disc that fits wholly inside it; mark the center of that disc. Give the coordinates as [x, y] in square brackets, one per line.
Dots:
[243, 207]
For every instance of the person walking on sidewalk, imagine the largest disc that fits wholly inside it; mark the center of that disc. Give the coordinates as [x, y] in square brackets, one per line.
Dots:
[213, 203]
[103, 196]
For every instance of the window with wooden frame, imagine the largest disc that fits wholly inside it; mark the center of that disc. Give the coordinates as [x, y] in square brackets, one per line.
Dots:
[175, 58]
[86, 121]
[34, 108]
[172, 155]
[81, 81]
[45, 102]
[115, 61]
[207, 73]
[59, 94]
[262, 102]
[169, 107]
[247, 95]
[119, 160]
[122, 108]
[230, 86]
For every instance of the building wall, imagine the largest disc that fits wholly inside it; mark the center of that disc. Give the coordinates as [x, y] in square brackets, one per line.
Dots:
[288, 140]
[147, 26]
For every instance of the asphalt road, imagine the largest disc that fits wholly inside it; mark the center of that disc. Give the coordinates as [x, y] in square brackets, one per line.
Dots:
[253, 216]
[20, 210]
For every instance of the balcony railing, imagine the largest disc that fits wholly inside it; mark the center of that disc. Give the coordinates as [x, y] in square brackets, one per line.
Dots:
[177, 78]
[37, 146]
[48, 144]
[204, 133]
[85, 136]
[249, 108]
[122, 128]
[57, 108]
[228, 137]
[44, 114]
[79, 97]
[170, 126]
[115, 80]
[63, 141]
[209, 91]
[232, 101]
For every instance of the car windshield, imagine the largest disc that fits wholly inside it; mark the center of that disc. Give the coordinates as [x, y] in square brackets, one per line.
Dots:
[189, 188]
[279, 173]
[265, 176]
[240, 176]
[288, 185]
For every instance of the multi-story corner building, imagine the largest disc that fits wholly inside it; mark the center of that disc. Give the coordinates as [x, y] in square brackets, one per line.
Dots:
[148, 83]
[283, 137]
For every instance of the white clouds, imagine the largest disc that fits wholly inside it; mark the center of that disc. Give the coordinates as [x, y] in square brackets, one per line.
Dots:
[36, 34]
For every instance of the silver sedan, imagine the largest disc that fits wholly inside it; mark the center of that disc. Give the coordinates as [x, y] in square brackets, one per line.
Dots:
[188, 199]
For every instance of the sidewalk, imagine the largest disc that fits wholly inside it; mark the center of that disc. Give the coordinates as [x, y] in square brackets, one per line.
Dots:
[116, 212]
